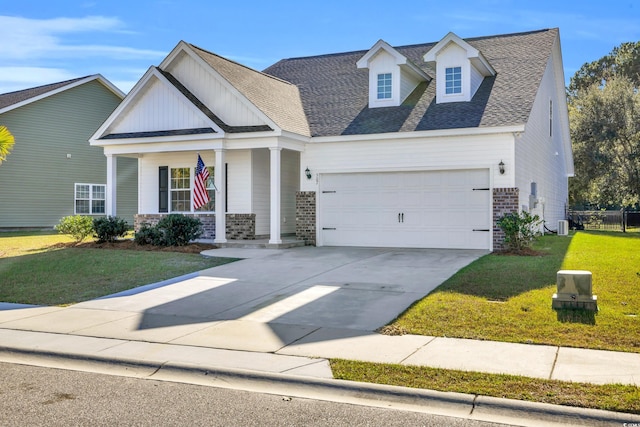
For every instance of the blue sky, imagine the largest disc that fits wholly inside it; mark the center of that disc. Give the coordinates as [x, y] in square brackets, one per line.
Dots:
[49, 41]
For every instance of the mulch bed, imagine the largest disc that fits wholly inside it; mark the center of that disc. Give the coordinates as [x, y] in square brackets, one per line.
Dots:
[192, 248]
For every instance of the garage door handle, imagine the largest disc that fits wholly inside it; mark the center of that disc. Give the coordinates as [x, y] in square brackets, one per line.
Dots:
[398, 217]
[328, 228]
[481, 229]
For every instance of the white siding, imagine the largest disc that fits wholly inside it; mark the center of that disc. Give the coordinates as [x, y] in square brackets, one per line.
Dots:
[159, 107]
[407, 84]
[238, 181]
[476, 79]
[383, 63]
[210, 90]
[442, 153]
[260, 189]
[540, 157]
[290, 185]
[238, 185]
[453, 56]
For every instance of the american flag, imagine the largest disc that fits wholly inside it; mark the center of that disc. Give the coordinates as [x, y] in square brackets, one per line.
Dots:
[200, 195]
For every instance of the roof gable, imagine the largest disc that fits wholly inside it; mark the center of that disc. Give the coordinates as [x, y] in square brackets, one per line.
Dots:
[474, 55]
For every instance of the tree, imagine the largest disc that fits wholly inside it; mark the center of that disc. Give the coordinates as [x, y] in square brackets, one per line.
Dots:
[6, 143]
[622, 61]
[605, 130]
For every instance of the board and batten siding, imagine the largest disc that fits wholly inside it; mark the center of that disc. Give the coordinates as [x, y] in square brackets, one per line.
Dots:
[209, 90]
[160, 108]
[37, 179]
[540, 156]
[435, 153]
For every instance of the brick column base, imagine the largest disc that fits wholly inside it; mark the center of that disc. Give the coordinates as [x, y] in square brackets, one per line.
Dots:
[306, 217]
[505, 200]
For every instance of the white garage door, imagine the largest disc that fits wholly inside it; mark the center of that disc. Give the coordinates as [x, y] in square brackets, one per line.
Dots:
[437, 209]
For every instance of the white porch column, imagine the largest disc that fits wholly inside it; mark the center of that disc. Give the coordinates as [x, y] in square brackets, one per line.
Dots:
[276, 154]
[221, 185]
[112, 184]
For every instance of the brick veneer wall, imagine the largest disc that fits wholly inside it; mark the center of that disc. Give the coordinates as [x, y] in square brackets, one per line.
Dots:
[505, 200]
[239, 226]
[306, 216]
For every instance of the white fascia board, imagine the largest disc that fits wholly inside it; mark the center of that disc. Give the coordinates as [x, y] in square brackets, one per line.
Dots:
[135, 150]
[88, 79]
[156, 139]
[381, 45]
[188, 50]
[391, 136]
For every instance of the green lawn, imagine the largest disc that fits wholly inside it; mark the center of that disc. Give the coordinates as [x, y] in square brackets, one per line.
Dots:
[610, 397]
[37, 268]
[508, 298]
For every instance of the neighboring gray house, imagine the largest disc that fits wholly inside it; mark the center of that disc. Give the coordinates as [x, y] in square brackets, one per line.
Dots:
[52, 170]
[424, 145]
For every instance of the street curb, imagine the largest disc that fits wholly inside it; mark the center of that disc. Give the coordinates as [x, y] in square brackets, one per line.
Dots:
[461, 405]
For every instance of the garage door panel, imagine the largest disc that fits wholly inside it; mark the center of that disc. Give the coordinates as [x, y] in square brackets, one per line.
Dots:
[405, 209]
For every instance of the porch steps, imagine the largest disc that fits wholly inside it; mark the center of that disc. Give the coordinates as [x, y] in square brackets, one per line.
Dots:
[258, 244]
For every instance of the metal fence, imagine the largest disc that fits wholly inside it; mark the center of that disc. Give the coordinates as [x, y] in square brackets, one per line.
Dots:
[603, 220]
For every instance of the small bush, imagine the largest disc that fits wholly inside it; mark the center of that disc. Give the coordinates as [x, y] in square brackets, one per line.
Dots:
[148, 235]
[108, 229]
[77, 226]
[171, 230]
[519, 230]
[179, 230]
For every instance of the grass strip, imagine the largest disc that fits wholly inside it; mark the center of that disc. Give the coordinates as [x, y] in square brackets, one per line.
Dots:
[609, 397]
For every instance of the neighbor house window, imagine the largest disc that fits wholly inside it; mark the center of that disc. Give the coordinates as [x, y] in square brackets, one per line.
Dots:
[180, 189]
[211, 206]
[384, 86]
[453, 80]
[90, 199]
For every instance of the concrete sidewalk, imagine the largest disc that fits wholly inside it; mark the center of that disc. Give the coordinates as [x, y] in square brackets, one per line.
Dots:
[300, 349]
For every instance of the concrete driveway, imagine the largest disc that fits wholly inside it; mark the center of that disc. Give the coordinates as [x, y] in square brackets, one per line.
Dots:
[308, 287]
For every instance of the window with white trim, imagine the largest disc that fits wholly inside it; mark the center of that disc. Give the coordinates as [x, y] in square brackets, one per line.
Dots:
[453, 80]
[384, 86]
[180, 189]
[211, 206]
[90, 199]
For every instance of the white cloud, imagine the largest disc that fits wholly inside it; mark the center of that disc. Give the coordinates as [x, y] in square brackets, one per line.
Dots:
[18, 78]
[29, 39]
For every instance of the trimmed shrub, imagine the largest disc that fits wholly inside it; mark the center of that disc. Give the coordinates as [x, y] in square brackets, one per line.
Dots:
[519, 230]
[108, 229]
[77, 226]
[148, 235]
[171, 230]
[179, 230]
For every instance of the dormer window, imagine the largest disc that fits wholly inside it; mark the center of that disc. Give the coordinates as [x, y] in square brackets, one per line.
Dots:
[384, 86]
[453, 79]
[460, 69]
[392, 77]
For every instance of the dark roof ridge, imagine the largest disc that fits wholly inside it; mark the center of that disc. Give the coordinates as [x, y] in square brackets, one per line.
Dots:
[414, 45]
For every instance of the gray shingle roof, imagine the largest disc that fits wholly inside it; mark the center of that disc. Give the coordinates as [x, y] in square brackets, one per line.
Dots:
[335, 92]
[277, 99]
[11, 98]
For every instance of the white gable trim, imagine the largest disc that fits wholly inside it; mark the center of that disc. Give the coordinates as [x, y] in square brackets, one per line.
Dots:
[186, 48]
[400, 59]
[106, 83]
[474, 55]
[151, 73]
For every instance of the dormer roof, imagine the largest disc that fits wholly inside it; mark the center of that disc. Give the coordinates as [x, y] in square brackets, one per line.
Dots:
[400, 59]
[474, 55]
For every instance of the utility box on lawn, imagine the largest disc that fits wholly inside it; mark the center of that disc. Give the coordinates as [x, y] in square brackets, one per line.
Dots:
[574, 291]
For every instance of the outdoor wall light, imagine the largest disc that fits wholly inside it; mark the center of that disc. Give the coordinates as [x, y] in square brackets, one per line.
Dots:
[307, 172]
[501, 166]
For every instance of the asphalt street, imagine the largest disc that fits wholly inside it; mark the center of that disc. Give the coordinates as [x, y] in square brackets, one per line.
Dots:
[35, 396]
